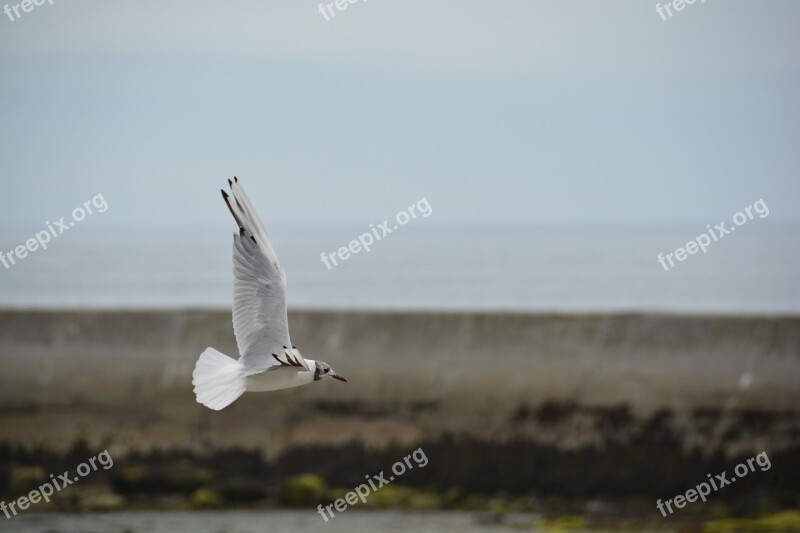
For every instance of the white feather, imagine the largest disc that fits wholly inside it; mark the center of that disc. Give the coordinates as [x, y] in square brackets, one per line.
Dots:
[218, 379]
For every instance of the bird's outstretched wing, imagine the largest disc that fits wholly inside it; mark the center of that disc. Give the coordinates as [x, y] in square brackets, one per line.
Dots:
[259, 292]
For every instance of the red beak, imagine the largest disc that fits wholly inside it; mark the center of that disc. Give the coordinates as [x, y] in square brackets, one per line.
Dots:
[340, 378]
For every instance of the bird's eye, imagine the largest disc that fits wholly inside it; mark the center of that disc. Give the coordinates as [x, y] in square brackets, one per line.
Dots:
[327, 370]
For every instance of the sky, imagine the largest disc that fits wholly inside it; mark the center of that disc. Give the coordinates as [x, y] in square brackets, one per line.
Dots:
[512, 112]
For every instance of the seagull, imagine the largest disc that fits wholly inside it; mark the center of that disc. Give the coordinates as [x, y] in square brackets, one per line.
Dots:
[267, 359]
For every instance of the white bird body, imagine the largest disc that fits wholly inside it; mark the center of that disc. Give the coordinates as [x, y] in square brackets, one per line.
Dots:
[268, 361]
[280, 378]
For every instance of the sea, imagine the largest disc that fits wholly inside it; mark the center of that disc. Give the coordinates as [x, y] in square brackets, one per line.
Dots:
[354, 521]
[612, 269]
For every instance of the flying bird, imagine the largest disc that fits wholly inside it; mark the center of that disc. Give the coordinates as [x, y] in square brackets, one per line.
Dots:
[267, 359]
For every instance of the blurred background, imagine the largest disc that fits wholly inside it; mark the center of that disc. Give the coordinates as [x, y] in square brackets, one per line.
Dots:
[524, 334]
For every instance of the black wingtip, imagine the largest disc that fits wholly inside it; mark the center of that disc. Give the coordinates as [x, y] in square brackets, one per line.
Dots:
[236, 179]
[230, 183]
[224, 194]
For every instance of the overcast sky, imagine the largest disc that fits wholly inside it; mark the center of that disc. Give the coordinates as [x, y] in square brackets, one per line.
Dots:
[513, 111]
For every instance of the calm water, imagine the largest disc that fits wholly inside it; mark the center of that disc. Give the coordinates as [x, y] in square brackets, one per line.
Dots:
[251, 522]
[418, 267]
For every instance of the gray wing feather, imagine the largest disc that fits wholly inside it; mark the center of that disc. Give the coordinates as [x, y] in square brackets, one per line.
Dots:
[259, 291]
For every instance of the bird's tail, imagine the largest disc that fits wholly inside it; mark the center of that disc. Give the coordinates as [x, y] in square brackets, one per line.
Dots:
[218, 380]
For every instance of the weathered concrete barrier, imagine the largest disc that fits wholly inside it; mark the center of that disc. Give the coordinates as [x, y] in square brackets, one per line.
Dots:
[528, 396]
[124, 377]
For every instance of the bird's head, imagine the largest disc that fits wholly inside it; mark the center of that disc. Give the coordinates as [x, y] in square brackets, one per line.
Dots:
[323, 370]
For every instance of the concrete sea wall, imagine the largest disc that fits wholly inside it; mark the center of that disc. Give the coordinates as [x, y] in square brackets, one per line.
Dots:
[529, 397]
